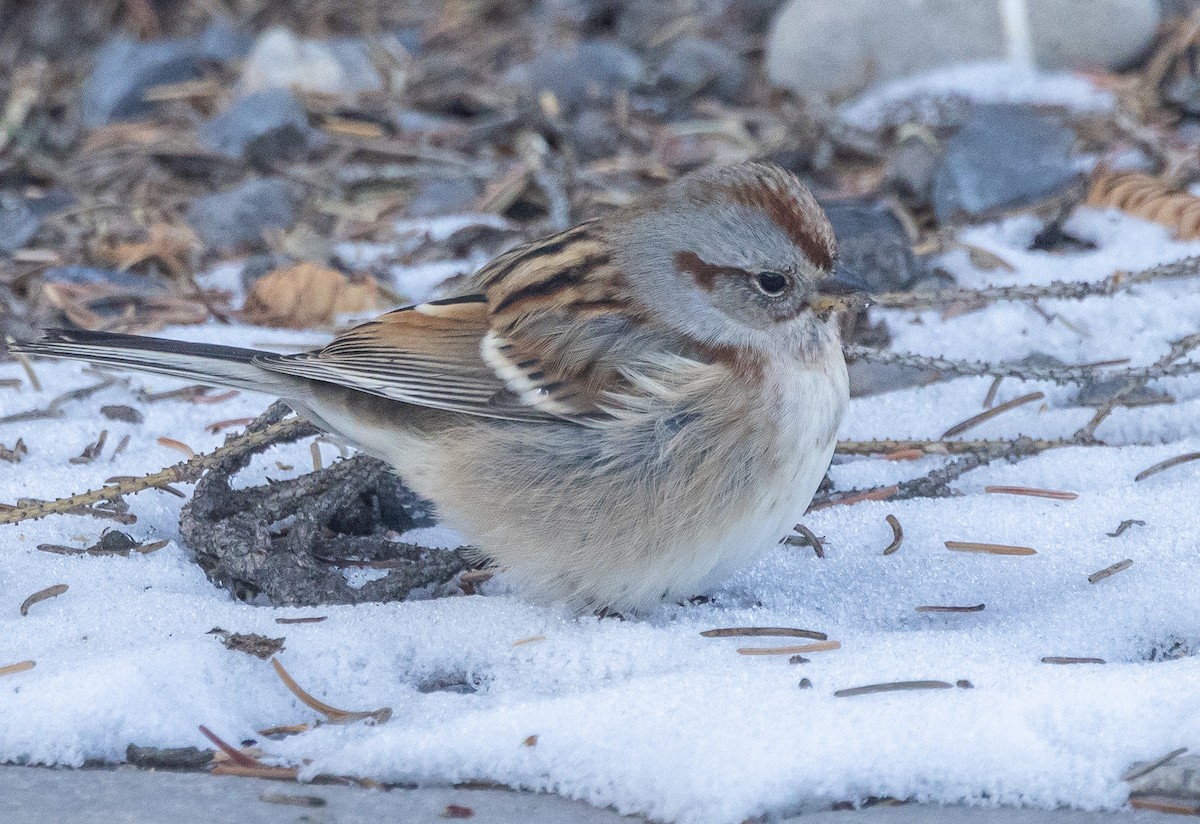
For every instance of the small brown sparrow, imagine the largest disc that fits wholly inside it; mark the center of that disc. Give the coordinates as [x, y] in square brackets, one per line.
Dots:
[625, 411]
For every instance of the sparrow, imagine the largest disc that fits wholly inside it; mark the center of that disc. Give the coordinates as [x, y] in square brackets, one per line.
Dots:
[626, 411]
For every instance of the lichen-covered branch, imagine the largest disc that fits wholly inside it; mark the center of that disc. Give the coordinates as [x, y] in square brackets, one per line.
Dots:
[1023, 371]
[268, 429]
[1188, 267]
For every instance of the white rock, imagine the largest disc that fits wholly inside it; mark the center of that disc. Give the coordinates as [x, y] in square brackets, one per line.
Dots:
[838, 49]
[281, 59]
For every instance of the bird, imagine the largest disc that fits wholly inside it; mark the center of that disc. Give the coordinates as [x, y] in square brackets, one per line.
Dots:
[626, 411]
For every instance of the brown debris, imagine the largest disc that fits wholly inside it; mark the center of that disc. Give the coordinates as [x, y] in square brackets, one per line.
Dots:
[1119, 566]
[1067, 659]
[13, 669]
[788, 632]
[1123, 526]
[975, 608]
[820, 646]
[894, 686]
[1167, 464]
[989, 549]
[42, 595]
[251, 643]
[307, 295]
[1032, 492]
[988, 414]
[897, 534]
[332, 714]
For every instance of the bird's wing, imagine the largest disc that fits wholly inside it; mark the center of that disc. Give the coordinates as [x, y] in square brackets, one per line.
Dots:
[547, 337]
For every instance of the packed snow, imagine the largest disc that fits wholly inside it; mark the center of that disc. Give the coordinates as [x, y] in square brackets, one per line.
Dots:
[645, 715]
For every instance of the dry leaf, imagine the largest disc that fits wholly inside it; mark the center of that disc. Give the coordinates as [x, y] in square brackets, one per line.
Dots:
[307, 294]
[172, 246]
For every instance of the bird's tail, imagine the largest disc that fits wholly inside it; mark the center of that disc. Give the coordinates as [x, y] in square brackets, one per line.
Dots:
[202, 362]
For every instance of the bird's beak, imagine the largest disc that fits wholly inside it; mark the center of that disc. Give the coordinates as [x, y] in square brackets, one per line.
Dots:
[839, 290]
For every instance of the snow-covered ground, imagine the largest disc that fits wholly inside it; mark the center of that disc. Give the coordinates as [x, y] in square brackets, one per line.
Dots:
[646, 715]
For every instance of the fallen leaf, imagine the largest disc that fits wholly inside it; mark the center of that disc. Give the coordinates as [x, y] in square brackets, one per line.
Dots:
[305, 295]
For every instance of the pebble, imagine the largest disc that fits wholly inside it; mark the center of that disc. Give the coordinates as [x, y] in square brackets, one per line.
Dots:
[838, 49]
[240, 215]
[264, 127]
[281, 59]
[18, 223]
[125, 68]
[694, 66]
[595, 69]
[1004, 156]
[873, 245]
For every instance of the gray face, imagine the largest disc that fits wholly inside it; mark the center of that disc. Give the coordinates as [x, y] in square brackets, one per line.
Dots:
[740, 252]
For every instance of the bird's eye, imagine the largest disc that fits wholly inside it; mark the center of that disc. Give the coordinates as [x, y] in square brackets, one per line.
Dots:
[771, 284]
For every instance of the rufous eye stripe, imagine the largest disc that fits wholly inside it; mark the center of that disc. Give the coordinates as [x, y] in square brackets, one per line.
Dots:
[705, 274]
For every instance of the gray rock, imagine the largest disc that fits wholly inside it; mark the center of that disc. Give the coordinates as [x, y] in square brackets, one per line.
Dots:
[18, 223]
[873, 245]
[265, 126]
[125, 68]
[241, 215]
[869, 378]
[820, 48]
[442, 196]
[1004, 156]
[595, 69]
[911, 167]
[694, 65]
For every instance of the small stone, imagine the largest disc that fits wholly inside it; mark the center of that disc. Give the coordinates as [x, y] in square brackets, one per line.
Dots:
[964, 684]
[838, 49]
[805, 684]
[869, 378]
[241, 215]
[872, 244]
[18, 223]
[798, 659]
[911, 167]
[1005, 156]
[125, 68]
[442, 196]
[592, 70]
[697, 66]
[76, 273]
[264, 127]
[280, 59]
[119, 412]
[595, 135]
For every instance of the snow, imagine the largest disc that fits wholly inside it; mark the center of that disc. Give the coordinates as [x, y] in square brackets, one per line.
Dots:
[644, 714]
[982, 82]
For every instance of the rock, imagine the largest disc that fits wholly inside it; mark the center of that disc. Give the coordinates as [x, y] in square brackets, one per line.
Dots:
[595, 135]
[18, 223]
[595, 69]
[912, 165]
[280, 59]
[442, 196]
[265, 126]
[873, 245]
[837, 49]
[694, 66]
[125, 68]
[1004, 156]
[242, 214]
[869, 378]
[77, 274]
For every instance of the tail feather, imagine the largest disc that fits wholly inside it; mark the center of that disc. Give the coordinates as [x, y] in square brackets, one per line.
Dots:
[202, 362]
